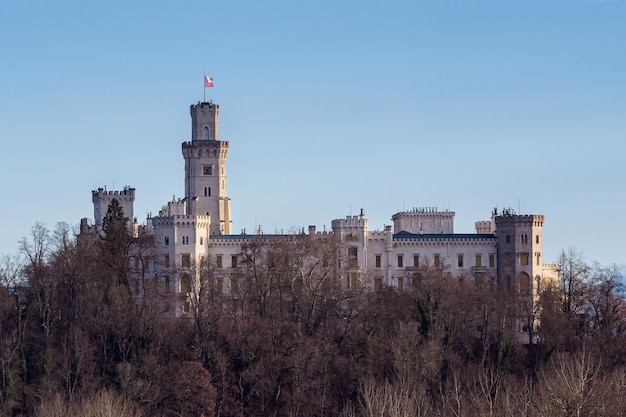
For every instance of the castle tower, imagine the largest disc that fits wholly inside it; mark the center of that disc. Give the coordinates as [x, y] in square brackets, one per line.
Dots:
[520, 251]
[102, 198]
[205, 168]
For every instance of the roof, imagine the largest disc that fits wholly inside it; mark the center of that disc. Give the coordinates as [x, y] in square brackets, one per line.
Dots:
[443, 236]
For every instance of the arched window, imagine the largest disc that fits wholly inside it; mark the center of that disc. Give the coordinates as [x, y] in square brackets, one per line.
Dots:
[524, 283]
[168, 285]
[205, 133]
[185, 284]
[167, 240]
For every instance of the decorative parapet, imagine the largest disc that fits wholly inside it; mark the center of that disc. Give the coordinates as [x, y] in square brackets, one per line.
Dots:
[430, 211]
[457, 238]
[182, 220]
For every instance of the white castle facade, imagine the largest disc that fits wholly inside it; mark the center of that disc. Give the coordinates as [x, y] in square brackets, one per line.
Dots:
[507, 247]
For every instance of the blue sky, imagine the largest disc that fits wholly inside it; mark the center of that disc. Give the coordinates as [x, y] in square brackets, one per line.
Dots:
[329, 107]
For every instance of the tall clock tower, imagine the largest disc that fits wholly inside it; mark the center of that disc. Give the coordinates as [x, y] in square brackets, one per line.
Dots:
[205, 168]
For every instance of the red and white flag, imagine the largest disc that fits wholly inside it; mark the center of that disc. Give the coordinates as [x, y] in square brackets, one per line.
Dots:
[208, 82]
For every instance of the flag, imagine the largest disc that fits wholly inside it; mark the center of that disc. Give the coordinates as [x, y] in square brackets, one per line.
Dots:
[208, 82]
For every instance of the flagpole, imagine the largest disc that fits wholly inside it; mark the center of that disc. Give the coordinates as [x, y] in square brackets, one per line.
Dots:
[204, 83]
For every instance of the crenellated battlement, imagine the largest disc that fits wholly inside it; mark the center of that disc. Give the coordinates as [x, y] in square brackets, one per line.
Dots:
[127, 193]
[483, 226]
[424, 220]
[210, 149]
[182, 220]
[209, 105]
[510, 218]
[204, 121]
[101, 199]
[350, 222]
[428, 211]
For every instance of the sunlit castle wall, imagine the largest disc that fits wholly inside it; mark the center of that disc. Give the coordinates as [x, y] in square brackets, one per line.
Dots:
[424, 220]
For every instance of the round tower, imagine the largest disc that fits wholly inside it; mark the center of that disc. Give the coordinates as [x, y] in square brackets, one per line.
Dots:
[205, 168]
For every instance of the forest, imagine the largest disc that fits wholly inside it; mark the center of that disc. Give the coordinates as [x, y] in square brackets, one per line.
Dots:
[287, 338]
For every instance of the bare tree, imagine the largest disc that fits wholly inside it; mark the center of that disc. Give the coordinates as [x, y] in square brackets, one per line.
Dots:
[571, 385]
[574, 278]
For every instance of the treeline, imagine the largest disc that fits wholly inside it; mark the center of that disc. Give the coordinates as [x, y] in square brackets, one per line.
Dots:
[282, 336]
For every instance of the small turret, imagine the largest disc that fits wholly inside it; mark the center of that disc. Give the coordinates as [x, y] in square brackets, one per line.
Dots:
[204, 121]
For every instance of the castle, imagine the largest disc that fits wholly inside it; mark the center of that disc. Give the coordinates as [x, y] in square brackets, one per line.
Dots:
[506, 248]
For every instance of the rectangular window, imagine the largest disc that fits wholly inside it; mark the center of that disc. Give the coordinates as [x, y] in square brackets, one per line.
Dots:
[400, 284]
[537, 239]
[400, 261]
[234, 285]
[167, 261]
[459, 261]
[207, 169]
[523, 259]
[437, 261]
[201, 259]
[233, 261]
[352, 281]
[218, 261]
[185, 260]
[492, 261]
[378, 284]
[479, 260]
[507, 259]
[218, 285]
[416, 261]
[378, 262]
[538, 258]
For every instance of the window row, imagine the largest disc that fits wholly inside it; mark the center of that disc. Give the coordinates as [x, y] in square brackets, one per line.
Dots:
[523, 257]
[219, 261]
[523, 239]
[184, 240]
[437, 261]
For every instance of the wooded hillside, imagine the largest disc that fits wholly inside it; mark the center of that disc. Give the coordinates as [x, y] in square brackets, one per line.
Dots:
[290, 340]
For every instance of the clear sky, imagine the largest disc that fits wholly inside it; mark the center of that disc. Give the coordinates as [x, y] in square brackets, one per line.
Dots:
[330, 106]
